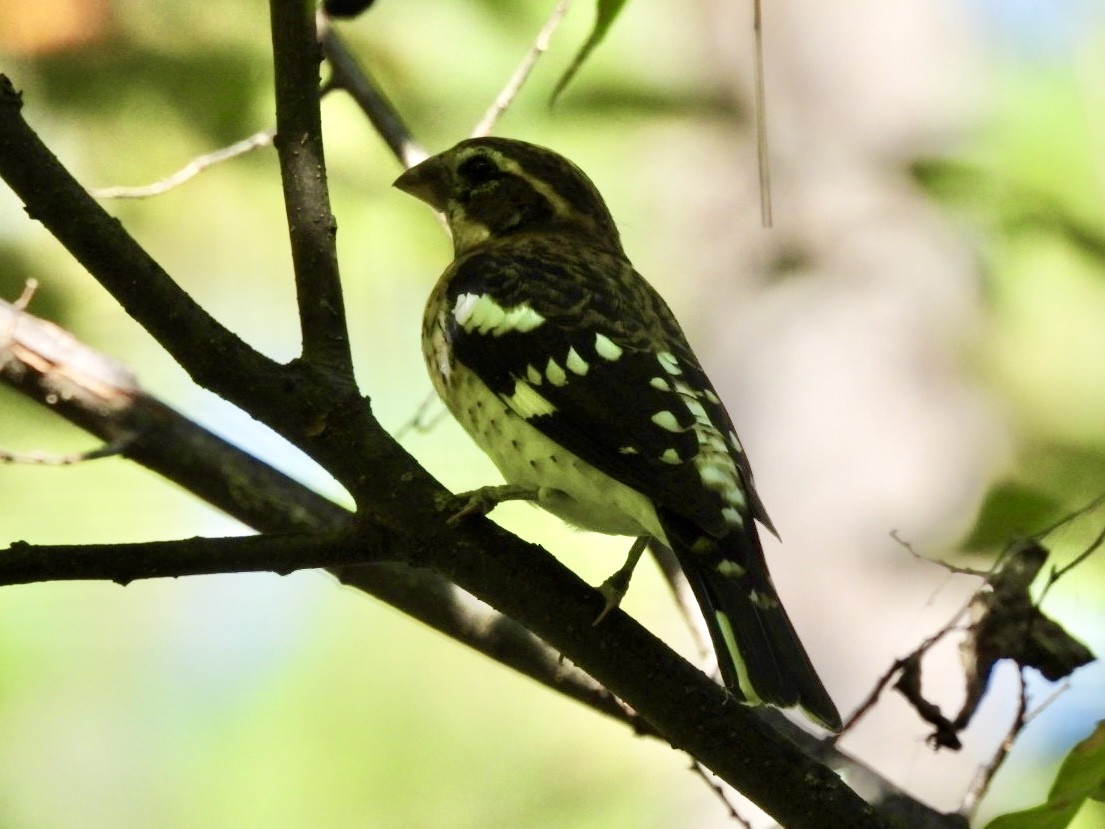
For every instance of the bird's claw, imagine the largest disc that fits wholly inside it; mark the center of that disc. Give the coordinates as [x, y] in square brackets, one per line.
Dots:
[612, 590]
[481, 501]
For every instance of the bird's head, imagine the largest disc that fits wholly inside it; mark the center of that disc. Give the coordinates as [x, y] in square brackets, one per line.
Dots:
[489, 188]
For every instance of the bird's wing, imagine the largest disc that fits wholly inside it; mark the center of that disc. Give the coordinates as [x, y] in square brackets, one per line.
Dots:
[625, 395]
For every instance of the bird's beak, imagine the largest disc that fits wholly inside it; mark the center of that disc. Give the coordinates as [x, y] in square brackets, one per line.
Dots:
[425, 181]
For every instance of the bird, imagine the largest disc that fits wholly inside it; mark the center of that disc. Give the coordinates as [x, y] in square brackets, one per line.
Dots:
[569, 370]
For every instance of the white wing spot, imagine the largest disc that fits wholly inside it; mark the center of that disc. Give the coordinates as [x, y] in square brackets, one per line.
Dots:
[668, 362]
[481, 313]
[763, 600]
[527, 402]
[660, 383]
[462, 311]
[732, 517]
[533, 375]
[607, 348]
[671, 456]
[521, 318]
[714, 459]
[555, 373]
[575, 363]
[715, 477]
[690, 400]
[729, 568]
[735, 441]
[711, 397]
[630, 450]
[704, 546]
[484, 315]
[666, 420]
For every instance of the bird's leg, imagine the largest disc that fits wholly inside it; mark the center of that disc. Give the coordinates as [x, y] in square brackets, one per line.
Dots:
[481, 501]
[615, 587]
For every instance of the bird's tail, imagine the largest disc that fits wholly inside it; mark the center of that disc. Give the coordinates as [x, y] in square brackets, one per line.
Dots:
[758, 651]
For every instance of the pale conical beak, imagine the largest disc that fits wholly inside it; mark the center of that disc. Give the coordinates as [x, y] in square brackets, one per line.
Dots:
[426, 181]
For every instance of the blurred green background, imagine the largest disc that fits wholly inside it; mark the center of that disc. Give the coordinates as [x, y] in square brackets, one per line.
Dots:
[917, 345]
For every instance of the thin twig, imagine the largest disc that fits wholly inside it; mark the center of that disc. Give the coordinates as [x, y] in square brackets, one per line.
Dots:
[898, 665]
[18, 307]
[760, 98]
[419, 422]
[1059, 572]
[348, 74]
[985, 776]
[947, 565]
[513, 86]
[23, 301]
[40, 458]
[1066, 519]
[193, 168]
[704, 774]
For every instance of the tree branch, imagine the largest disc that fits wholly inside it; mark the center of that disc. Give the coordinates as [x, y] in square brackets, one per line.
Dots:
[193, 168]
[97, 240]
[306, 193]
[348, 74]
[24, 563]
[527, 584]
[102, 396]
[513, 86]
[302, 401]
[400, 501]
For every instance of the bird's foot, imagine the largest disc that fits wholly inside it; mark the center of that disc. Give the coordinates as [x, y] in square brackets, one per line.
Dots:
[613, 590]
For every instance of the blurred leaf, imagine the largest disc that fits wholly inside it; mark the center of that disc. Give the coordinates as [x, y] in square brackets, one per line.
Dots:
[951, 180]
[1082, 775]
[1019, 208]
[1043, 215]
[606, 13]
[1011, 510]
[213, 89]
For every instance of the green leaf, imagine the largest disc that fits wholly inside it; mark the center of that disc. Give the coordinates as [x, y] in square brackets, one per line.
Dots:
[1082, 775]
[1011, 510]
[606, 12]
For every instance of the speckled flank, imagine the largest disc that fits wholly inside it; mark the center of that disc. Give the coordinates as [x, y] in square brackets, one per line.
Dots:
[567, 487]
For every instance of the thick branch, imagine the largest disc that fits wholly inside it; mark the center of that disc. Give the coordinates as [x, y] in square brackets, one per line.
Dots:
[101, 395]
[678, 700]
[312, 227]
[24, 563]
[401, 500]
[98, 241]
[525, 583]
[303, 402]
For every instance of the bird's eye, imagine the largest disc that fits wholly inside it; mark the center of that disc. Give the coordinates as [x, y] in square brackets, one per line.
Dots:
[479, 170]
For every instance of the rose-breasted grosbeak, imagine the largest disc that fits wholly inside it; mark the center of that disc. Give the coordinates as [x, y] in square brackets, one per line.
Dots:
[571, 373]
